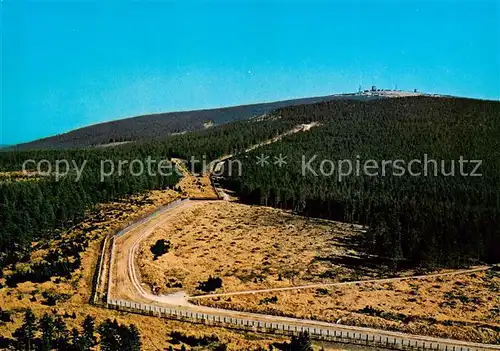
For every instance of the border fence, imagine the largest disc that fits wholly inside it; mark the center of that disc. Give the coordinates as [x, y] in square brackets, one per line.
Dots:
[367, 338]
[96, 280]
[335, 333]
[97, 277]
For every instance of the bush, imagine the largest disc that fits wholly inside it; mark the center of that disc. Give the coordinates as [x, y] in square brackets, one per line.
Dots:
[267, 300]
[5, 316]
[211, 284]
[193, 341]
[161, 247]
[321, 291]
[51, 297]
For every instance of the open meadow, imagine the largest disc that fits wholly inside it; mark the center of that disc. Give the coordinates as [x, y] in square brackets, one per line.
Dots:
[247, 247]
[462, 306]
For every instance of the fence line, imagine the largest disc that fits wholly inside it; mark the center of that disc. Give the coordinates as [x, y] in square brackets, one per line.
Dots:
[216, 189]
[110, 269]
[137, 222]
[321, 333]
[96, 281]
[98, 272]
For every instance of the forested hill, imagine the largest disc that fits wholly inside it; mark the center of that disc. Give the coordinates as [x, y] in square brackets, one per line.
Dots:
[433, 213]
[434, 219]
[163, 124]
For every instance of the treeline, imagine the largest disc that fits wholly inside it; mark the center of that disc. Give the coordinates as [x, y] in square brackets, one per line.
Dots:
[157, 126]
[418, 220]
[51, 333]
[37, 209]
[424, 219]
[211, 144]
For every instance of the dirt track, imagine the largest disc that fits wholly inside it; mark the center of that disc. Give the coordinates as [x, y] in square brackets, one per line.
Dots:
[125, 285]
[124, 282]
[322, 285]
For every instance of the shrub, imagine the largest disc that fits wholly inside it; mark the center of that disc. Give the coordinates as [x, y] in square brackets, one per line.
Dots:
[5, 316]
[161, 247]
[321, 291]
[267, 300]
[193, 341]
[211, 284]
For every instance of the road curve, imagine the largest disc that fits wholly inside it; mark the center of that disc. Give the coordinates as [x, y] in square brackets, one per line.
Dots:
[125, 285]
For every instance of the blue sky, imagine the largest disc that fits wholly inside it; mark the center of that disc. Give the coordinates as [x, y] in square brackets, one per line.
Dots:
[67, 64]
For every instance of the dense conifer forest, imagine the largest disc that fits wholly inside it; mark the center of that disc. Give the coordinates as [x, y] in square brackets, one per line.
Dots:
[157, 126]
[41, 207]
[428, 220]
[50, 332]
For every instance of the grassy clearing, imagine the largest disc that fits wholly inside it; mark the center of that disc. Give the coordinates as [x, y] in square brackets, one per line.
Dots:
[462, 307]
[71, 294]
[193, 186]
[19, 176]
[248, 247]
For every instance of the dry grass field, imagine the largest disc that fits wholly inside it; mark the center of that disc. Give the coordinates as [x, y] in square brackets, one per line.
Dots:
[73, 293]
[192, 186]
[251, 247]
[463, 307]
[248, 247]
[17, 176]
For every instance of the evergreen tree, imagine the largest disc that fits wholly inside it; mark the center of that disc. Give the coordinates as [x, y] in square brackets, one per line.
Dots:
[75, 340]
[110, 339]
[133, 340]
[88, 338]
[116, 337]
[301, 342]
[25, 335]
[48, 332]
[61, 335]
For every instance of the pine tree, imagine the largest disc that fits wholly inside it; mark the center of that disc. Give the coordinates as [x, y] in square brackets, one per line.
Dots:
[25, 335]
[75, 339]
[110, 340]
[88, 338]
[48, 332]
[133, 340]
[61, 337]
[301, 343]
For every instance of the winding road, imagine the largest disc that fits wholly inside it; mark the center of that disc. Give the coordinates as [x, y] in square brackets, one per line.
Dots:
[124, 285]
